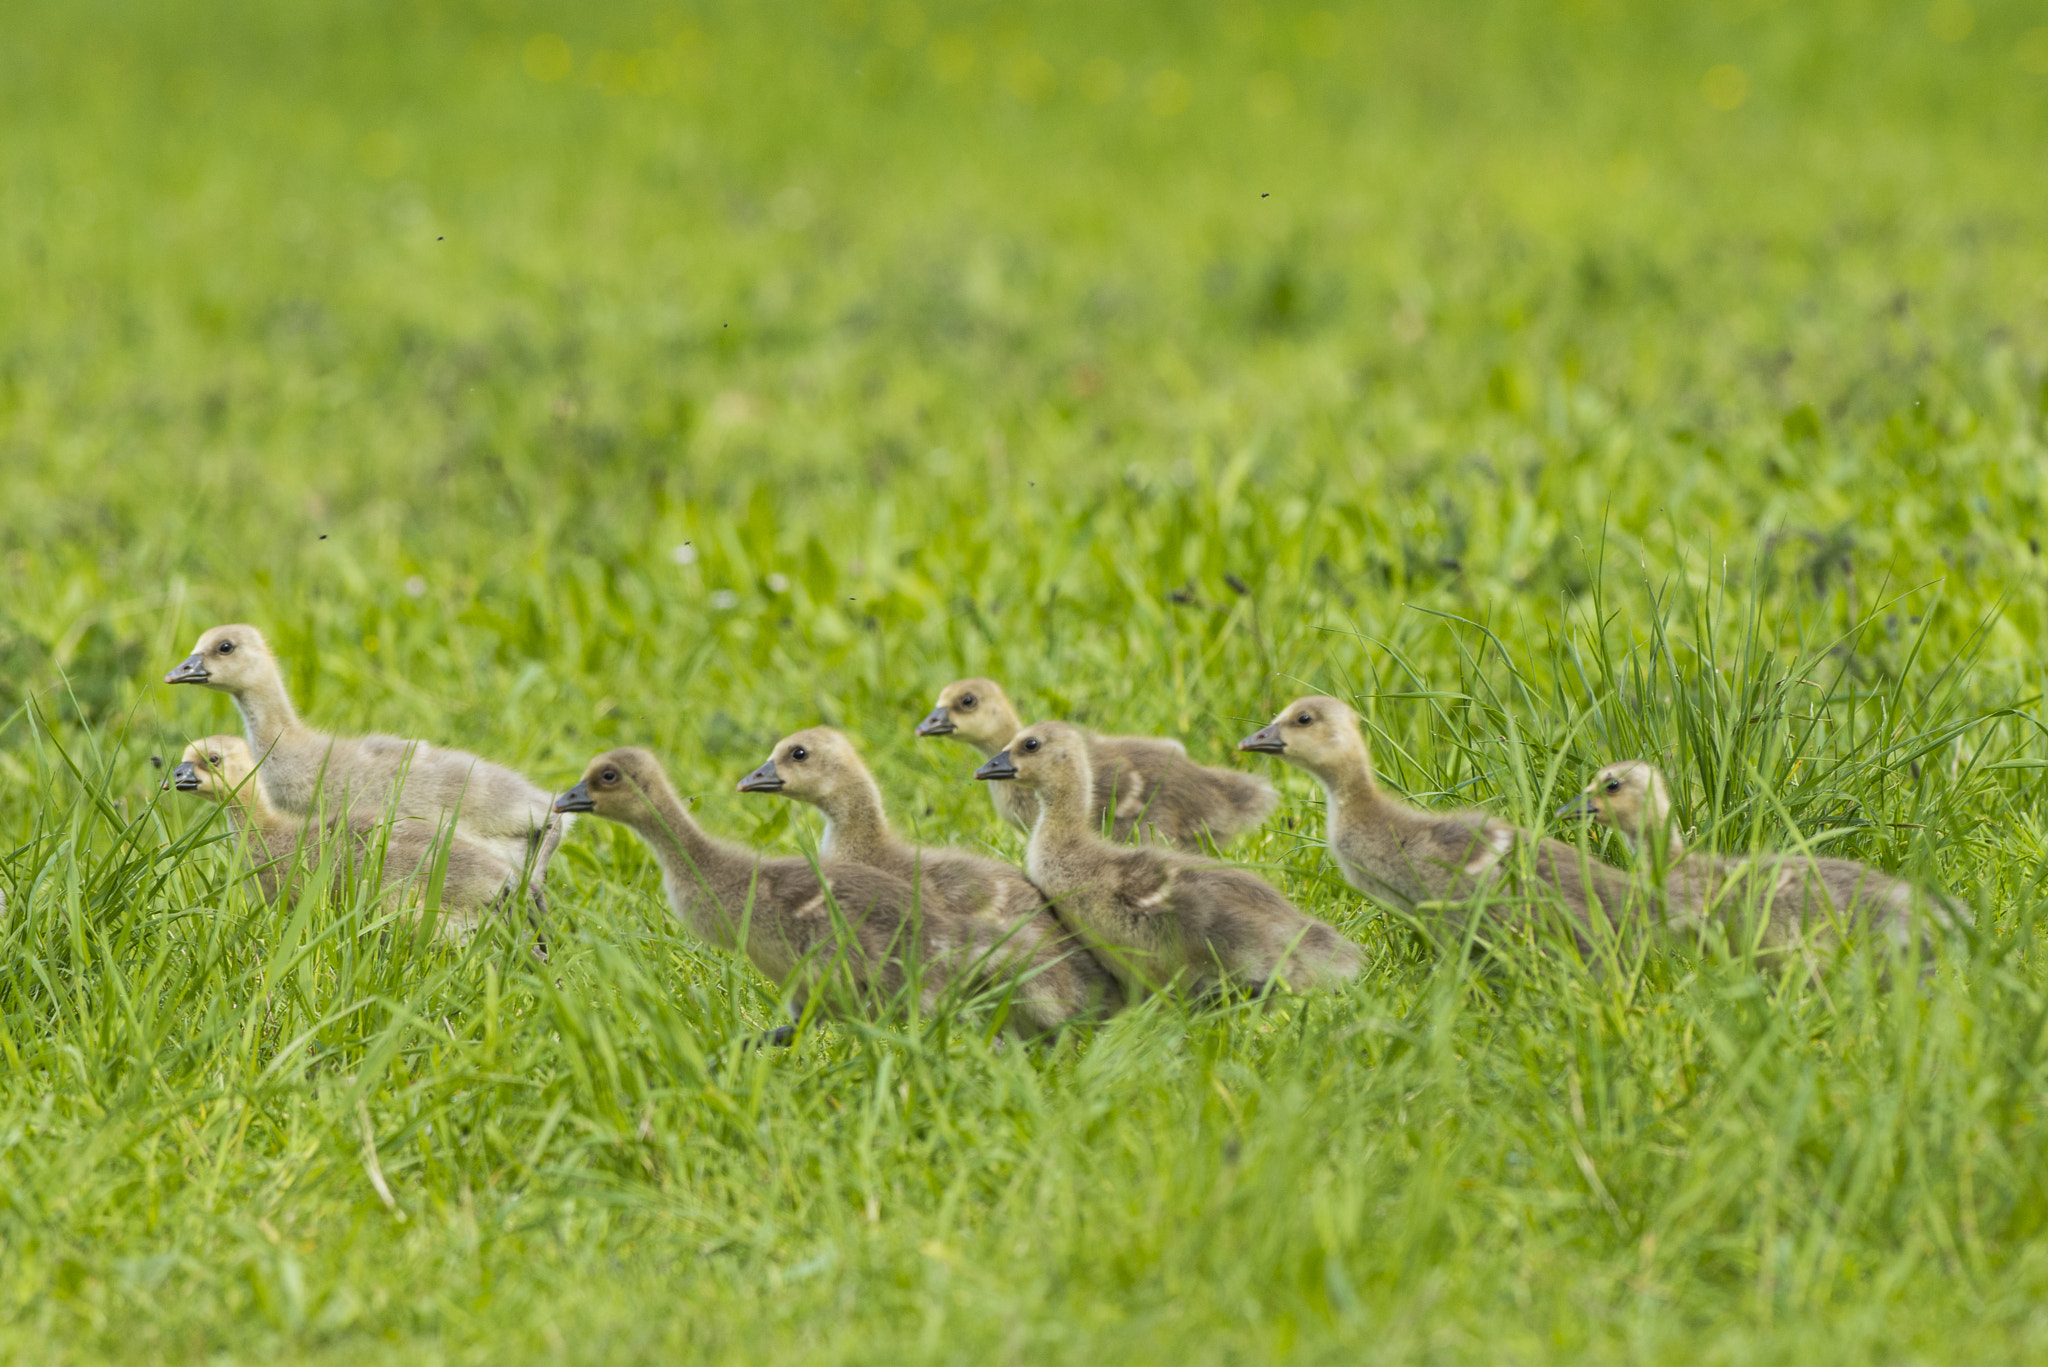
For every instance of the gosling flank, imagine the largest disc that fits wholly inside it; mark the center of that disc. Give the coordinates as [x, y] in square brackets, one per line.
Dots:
[820, 766]
[1414, 860]
[785, 914]
[475, 879]
[305, 770]
[1144, 785]
[1156, 917]
[1800, 903]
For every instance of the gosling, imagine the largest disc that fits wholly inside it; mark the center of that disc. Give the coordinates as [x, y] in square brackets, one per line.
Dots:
[475, 880]
[1159, 919]
[820, 766]
[1803, 904]
[1416, 860]
[785, 914]
[305, 770]
[1145, 786]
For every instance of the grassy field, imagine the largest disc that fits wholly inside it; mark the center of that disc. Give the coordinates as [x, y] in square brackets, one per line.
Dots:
[1561, 383]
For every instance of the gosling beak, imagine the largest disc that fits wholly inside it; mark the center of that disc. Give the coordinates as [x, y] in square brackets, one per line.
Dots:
[577, 799]
[185, 778]
[762, 780]
[1582, 806]
[192, 669]
[999, 767]
[937, 724]
[1267, 740]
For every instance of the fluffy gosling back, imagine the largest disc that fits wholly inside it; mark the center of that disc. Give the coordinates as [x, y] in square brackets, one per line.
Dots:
[305, 770]
[1144, 787]
[799, 923]
[1158, 918]
[475, 880]
[1799, 903]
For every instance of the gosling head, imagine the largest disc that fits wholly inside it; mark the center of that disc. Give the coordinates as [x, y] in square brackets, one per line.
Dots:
[814, 765]
[974, 710]
[213, 767]
[1317, 734]
[1050, 757]
[228, 659]
[1630, 796]
[619, 785]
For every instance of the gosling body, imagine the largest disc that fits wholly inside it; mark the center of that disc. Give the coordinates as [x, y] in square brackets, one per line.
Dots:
[1159, 918]
[305, 771]
[820, 766]
[1421, 861]
[475, 880]
[1775, 902]
[1145, 787]
[785, 914]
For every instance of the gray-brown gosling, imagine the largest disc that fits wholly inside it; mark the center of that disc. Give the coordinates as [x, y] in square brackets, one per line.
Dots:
[1144, 785]
[305, 771]
[1807, 903]
[821, 766]
[780, 911]
[1407, 857]
[1156, 917]
[475, 880]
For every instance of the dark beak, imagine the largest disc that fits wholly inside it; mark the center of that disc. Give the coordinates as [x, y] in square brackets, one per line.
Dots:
[762, 780]
[1582, 806]
[999, 767]
[937, 724]
[190, 670]
[577, 799]
[185, 778]
[1265, 741]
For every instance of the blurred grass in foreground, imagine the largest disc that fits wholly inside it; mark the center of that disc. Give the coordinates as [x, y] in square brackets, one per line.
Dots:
[1568, 382]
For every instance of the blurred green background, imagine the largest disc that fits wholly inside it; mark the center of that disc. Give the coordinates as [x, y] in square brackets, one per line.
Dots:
[543, 378]
[490, 294]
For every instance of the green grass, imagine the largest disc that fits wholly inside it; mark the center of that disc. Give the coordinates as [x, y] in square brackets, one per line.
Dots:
[1545, 408]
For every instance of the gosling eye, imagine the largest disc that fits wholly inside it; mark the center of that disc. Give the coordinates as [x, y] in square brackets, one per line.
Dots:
[609, 776]
[1031, 746]
[214, 760]
[966, 701]
[225, 648]
[1613, 785]
[799, 754]
[1305, 719]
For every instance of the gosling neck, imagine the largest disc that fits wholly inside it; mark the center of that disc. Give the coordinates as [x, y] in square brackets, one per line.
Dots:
[676, 838]
[267, 712]
[856, 826]
[1064, 808]
[1673, 844]
[244, 805]
[252, 806]
[1350, 787]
